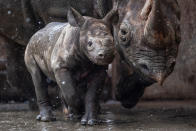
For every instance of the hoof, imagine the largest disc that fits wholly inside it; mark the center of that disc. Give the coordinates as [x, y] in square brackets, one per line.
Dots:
[92, 122]
[83, 122]
[88, 121]
[74, 116]
[45, 118]
[46, 114]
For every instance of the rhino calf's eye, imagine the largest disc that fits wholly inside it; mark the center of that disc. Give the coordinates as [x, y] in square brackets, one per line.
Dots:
[90, 46]
[90, 43]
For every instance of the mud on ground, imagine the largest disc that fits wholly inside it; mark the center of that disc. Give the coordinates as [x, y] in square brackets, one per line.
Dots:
[146, 116]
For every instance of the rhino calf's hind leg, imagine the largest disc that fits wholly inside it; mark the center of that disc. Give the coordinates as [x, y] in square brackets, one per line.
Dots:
[39, 80]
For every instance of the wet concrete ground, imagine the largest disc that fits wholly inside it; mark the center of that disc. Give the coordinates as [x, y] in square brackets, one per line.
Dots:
[146, 116]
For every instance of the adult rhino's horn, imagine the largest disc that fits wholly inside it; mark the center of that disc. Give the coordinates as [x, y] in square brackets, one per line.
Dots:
[156, 30]
[146, 9]
[112, 16]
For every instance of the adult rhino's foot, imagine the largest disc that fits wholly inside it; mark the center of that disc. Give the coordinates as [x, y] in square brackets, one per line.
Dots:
[89, 119]
[46, 115]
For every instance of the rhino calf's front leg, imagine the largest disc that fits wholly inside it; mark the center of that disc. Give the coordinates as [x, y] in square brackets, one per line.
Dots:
[67, 86]
[92, 106]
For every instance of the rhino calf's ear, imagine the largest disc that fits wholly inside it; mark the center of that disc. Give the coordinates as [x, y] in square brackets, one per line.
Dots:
[75, 18]
[112, 16]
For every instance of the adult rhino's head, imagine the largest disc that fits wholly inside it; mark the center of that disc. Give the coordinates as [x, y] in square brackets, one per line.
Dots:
[148, 36]
[96, 40]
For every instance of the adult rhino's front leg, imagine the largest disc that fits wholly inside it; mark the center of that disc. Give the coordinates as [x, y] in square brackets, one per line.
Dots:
[92, 106]
[67, 86]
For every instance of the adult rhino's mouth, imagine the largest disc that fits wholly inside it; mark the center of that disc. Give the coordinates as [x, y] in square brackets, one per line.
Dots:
[154, 76]
[154, 64]
[142, 73]
[148, 73]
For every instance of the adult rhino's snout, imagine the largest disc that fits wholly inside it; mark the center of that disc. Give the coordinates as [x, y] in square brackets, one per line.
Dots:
[157, 76]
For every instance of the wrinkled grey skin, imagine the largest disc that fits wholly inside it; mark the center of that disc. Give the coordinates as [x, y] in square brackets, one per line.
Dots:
[147, 39]
[75, 55]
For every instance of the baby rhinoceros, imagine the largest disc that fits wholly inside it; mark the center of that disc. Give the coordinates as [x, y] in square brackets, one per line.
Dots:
[74, 55]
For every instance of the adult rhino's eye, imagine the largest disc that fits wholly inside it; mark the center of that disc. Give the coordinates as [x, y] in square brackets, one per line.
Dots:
[124, 34]
[90, 45]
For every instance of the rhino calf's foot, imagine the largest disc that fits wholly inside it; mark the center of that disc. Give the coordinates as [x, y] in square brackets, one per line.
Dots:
[46, 115]
[45, 118]
[88, 119]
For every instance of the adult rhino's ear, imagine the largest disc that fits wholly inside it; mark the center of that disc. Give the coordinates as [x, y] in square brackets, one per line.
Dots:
[75, 18]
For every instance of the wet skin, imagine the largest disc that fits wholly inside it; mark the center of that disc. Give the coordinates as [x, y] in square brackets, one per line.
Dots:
[75, 55]
[147, 38]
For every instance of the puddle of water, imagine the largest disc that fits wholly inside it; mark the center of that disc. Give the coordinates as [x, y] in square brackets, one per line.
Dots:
[111, 119]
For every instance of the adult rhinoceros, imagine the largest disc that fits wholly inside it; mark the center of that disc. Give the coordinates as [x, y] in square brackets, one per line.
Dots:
[147, 37]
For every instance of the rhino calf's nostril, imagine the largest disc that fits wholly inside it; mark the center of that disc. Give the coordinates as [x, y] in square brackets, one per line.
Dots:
[101, 55]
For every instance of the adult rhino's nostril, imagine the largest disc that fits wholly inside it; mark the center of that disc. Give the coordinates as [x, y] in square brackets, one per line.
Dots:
[123, 39]
[124, 35]
[123, 32]
[144, 67]
[173, 64]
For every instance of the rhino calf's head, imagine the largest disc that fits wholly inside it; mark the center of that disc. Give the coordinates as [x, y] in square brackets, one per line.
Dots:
[96, 40]
[149, 36]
